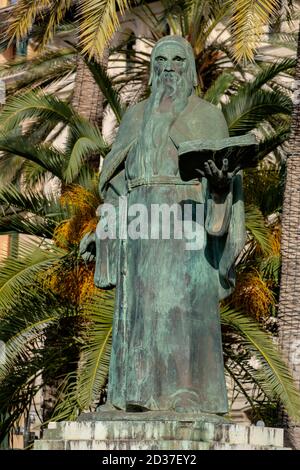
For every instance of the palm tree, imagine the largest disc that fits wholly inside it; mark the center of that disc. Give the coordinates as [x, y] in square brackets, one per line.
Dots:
[43, 344]
[82, 389]
[98, 20]
[289, 306]
[62, 219]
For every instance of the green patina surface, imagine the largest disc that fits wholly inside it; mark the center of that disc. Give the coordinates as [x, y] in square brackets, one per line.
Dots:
[167, 348]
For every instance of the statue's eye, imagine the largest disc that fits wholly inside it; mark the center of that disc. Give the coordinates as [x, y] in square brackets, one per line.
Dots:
[160, 59]
[179, 59]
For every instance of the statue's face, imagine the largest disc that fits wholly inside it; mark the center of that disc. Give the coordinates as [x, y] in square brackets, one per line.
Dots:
[170, 59]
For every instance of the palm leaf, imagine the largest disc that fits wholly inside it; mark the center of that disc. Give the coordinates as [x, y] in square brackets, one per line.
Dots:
[22, 224]
[93, 370]
[270, 268]
[35, 105]
[29, 361]
[274, 376]
[11, 168]
[105, 84]
[24, 14]
[44, 155]
[34, 175]
[256, 226]
[272, 141]
[286, 39]
[247, 22]
[219, 87]
[41, 71]
[246, 111]
[31, 202]
[20, 272]
[269, 72]
[83, 148]
[98, 22]
[26, 334]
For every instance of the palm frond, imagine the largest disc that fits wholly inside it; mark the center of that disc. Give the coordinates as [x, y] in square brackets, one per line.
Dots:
[218, 88]
[34, 176]
[98, 22]
[273, 375]
[286, 39]
[23, 224]
[268, 179]
[25, 12]
[30, 202]
[271, 71]
[43, 155]
[272, 141]
[35, 105]
[30, 361]
[247, 21]
[23, 335]
[20, 272]
[203, 19]
[92, 374]
[245, 112]
[256, 226]
[270, 268]
[11, 168]
[82, 148]
[105, 84]
[41, 71]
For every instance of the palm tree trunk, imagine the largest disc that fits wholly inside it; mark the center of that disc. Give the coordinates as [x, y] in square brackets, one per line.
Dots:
[87, 97]
[88, 102]
[289, 303]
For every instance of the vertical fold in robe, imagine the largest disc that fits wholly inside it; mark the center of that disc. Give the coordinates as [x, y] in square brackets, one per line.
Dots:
[225, 226]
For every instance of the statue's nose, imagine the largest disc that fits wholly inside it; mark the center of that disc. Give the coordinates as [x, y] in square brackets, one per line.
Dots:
[169, 66]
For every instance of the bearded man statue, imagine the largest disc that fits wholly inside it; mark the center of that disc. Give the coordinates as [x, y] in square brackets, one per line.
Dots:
[166, 345]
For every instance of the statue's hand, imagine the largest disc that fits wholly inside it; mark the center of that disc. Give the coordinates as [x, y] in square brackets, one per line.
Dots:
[219, 179]
[87, 247]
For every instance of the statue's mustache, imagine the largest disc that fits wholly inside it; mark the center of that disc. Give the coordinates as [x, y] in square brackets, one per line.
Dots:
[170, 84]
[170, 75]
[168, 81]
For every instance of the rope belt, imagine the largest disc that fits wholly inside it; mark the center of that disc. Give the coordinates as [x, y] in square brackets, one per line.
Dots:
[159, 180]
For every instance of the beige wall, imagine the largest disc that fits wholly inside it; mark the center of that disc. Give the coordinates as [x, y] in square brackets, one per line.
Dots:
[9, 53]
[4, 246]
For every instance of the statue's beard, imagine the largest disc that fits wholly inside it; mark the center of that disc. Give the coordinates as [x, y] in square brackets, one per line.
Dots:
[169, 96]
[171, 88]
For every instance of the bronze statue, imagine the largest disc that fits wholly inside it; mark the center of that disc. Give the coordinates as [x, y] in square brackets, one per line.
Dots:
[166, 346]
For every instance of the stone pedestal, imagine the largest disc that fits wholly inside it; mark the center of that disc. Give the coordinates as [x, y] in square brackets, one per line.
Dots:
[156, 431]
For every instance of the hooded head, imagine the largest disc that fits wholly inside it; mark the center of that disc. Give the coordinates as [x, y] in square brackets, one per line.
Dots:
[173, 55]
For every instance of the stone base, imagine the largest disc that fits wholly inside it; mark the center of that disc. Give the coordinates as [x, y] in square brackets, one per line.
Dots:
[156, 431]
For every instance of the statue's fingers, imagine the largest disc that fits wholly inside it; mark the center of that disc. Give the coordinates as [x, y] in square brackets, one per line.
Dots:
[236, 170]
[225, 165]
[207, 169]
[215, 170]
[200, 172]
[212, 165]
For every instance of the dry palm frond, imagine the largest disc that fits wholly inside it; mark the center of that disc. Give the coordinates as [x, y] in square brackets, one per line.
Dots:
[25, 12]
[248, 20]
[98, 22]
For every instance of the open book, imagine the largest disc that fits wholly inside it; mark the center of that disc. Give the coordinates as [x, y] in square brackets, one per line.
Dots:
[240, 151]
